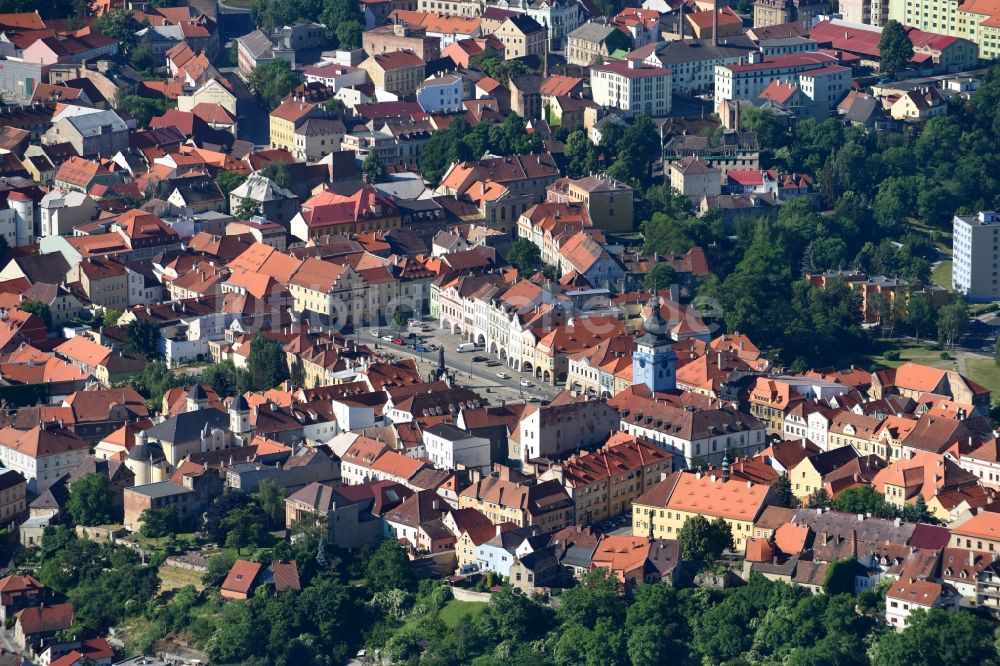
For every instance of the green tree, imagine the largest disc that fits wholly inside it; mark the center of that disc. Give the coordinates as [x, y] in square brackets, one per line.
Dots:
[271, 498]
[142, 338]
[399, 320]
[267, 365]
[349, 34]
[937, 637]
[39, 309]
[772, 131]
[111, 317]
[597, 596]
[919, 314]
[272, 81]
[819, 499]
[840, 576]
[221, 377]
[388, 568]
[228, 181]
[952, 322]
[703, 540]
[246, 209]
[895, 47]
[143, 109]
[158, 522]
[581, 155]
[89, 501]
[117, 24]
[524, 256]
[141, 57]
[659, 277]
[373, 170]
[783, 495]
[863, 499]
[280, 173]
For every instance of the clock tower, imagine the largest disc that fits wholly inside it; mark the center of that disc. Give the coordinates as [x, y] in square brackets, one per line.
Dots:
[654, 362]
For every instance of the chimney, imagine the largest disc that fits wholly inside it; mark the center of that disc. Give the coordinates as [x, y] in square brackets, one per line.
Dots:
[715, 23]
[861, 517]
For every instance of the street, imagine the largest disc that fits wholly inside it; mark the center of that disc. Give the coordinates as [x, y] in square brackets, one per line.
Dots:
[468, 373]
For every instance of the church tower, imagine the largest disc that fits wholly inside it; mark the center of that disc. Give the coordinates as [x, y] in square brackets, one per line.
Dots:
[239, 419]
[654, 362]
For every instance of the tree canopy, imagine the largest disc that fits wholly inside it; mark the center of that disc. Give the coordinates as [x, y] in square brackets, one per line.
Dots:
[895, 47]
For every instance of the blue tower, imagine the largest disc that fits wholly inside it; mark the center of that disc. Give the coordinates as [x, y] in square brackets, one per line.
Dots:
[654, 362]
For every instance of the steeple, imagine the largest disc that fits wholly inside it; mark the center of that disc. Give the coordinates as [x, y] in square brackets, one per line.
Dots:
[725, 467]
[654, 362]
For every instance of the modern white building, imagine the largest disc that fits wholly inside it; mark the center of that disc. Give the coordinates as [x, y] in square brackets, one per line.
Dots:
[975, 255]
[61, 210]
[632, 86]
[448, 447]
[441, 94]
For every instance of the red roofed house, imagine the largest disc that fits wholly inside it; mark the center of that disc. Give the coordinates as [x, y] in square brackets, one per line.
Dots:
[36, 624]
[242, 579]
[43, 454]
[949, 54]
[17, 592]
[906, 595]
[329, 213]
[80, 174]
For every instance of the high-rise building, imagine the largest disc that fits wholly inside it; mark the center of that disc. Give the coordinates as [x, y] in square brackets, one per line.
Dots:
[975, 255]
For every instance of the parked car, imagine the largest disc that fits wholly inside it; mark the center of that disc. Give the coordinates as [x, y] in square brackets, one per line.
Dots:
[479, 359]
[492, 363]
[503, 375]
[527, 384]
[420, 349]
[399, 341]
[465, 347]
[387, 338]
[376, 333]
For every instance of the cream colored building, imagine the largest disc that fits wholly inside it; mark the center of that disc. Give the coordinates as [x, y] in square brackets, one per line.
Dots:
[210, 92]
[977, 21]
[521, 36]
[662, 511]
[398, 72]
[695, 178]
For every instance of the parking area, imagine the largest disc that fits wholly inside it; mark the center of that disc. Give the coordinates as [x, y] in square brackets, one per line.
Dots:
[474, 368]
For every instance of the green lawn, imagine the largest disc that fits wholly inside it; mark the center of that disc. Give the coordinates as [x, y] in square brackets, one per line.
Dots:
[455, 610]
[174, 578]
[909, 351]
[941, 275]
[984, 371]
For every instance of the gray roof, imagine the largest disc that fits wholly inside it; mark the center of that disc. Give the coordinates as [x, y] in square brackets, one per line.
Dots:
[42, 267]
[846, 525]
[448, 431]
[258, 44]
[261, 189]
[160, 489]
[696, 50]
[187, 426]
[90, 124]
[592, 32]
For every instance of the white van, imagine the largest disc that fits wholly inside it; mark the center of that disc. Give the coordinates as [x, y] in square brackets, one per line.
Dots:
[466, 347]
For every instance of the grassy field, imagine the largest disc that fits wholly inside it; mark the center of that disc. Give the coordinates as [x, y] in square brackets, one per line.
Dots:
[909, 351]
[985, 372]
[455, 610]
[173, 578]
[941, 276]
